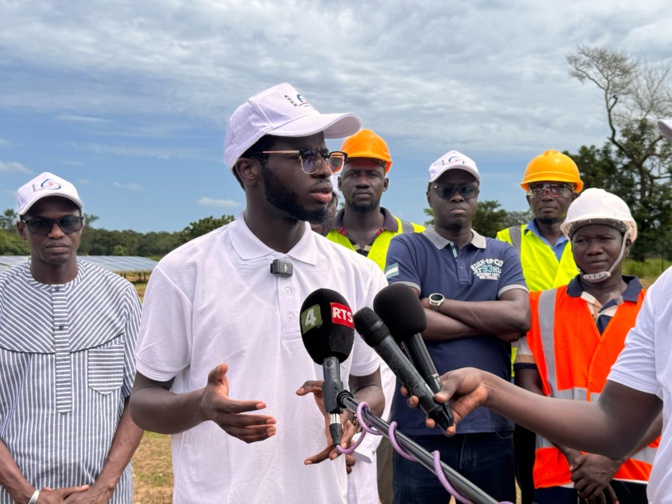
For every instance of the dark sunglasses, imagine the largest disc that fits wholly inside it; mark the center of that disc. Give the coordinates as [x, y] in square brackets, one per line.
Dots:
[447, 191]
[42, 226]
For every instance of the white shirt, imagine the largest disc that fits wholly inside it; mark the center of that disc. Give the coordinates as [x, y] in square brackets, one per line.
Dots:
[645, 364]
[214, 300]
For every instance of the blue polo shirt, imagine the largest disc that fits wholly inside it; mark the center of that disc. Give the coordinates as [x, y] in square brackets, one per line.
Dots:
[480, 271]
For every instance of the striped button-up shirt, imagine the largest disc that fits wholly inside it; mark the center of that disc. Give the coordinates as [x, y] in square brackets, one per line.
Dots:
[66, 366]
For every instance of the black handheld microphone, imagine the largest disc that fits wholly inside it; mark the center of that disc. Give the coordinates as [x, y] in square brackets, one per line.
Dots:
[328, 334]
[376, 334]
[402, 312]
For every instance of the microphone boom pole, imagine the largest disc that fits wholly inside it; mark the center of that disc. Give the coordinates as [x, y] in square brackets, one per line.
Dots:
[422, 456]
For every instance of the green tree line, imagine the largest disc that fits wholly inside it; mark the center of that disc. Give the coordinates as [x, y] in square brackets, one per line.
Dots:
[99, 241]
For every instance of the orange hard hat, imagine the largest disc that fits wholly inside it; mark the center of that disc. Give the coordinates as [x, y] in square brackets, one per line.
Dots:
[366, 144]
[552, 166]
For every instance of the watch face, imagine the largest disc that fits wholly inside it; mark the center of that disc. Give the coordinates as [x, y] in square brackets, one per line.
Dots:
[436, 298]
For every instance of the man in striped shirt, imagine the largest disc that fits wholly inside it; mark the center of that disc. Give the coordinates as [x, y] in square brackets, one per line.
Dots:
[67, 341]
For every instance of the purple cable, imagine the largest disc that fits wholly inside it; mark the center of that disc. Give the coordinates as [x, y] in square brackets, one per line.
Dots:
[362, 408]
[395, 445]
[444, 481]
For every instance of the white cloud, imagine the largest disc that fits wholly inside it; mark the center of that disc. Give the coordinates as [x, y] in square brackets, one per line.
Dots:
[13, 167]
[81, 119]
[163, 153]
[133, 186]
[219, 203]
[483, 74]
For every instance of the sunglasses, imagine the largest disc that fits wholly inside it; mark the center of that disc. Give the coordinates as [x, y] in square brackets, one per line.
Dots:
[311, 159]
[42, 226]
[555, 189]
[447, 191]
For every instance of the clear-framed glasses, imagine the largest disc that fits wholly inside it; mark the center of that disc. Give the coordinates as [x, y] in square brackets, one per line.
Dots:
[41, 226]
[555, 189]
[311, 159]
[447, 191]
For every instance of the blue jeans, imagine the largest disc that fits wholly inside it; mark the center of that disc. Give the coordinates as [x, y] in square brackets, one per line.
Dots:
[486, 459]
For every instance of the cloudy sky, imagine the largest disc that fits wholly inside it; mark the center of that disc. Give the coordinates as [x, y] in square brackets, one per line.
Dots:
[129, 99]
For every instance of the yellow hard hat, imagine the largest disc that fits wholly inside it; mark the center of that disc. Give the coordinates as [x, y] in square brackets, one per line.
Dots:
[552, 166]
[366, 144]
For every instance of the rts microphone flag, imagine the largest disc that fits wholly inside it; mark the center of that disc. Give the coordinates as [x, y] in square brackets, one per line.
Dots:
[328, 333]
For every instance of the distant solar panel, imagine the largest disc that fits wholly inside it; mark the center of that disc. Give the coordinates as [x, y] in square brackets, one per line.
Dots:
[118, 264]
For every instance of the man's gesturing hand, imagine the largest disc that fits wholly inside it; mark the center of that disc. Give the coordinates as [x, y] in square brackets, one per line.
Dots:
[229, 413]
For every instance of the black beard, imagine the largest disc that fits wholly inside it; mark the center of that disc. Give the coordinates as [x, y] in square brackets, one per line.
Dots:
[284, 199]
[363, 209]
[548, 221]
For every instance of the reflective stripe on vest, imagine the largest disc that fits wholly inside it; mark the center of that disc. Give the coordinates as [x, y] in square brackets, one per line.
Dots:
[551, 468]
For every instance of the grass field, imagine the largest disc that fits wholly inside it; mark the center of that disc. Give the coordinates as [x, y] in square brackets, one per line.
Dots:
[152, 470]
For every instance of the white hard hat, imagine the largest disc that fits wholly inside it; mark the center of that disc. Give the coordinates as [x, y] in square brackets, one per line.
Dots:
[597, 206]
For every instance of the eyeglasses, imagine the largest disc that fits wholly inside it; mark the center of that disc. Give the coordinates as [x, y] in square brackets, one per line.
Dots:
[555, 189]
[447, 191]
[311, 159]
[42, 226]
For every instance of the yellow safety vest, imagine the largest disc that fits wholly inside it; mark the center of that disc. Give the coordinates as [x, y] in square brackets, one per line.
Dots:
[541, 268]
[378, 251]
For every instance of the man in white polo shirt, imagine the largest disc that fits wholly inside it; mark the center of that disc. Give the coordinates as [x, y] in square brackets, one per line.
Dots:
[220, 354]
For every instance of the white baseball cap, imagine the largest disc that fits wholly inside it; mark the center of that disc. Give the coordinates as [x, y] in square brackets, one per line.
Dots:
[43, 186]
[281, 111]
[452, 160]
[665, 127]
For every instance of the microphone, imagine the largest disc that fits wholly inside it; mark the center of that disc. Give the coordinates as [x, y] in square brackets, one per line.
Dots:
[376, 334]
[401, 310]
[328, 334]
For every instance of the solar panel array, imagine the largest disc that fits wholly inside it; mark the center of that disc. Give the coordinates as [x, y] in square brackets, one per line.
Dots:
[118, 264]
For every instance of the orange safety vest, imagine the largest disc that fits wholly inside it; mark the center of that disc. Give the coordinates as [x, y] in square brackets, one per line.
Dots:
[574, 360]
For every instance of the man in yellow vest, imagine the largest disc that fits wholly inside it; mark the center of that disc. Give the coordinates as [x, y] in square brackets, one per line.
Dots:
[365, 227]
[552, 182]
[577, 332]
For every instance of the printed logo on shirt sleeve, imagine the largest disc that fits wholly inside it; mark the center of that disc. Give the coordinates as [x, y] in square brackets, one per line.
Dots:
[392, 270]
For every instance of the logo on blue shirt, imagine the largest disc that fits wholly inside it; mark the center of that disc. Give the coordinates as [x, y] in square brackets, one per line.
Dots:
[488, 269]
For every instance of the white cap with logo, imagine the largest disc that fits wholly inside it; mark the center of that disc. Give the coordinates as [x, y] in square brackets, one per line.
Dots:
[452, 160]
[281, 111]
[43, 186]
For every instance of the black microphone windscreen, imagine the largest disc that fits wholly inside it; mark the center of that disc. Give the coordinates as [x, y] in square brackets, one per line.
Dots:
[327, 328]
[399, 307]
[370, 326]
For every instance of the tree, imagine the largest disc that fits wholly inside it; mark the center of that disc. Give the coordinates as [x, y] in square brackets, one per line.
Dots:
[8, 220]
[203, 226]
[635, 162]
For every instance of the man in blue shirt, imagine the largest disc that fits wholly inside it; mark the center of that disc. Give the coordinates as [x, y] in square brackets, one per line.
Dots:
[476, 302]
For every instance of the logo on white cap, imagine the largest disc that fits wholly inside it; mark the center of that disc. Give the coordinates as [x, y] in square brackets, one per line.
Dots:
[44, 185]
[452, 160]
[281, 111]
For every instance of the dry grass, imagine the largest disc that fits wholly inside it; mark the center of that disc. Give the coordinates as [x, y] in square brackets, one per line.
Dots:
[153, 470]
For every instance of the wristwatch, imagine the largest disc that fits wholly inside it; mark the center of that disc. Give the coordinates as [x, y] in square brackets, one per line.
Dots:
[436, 300]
